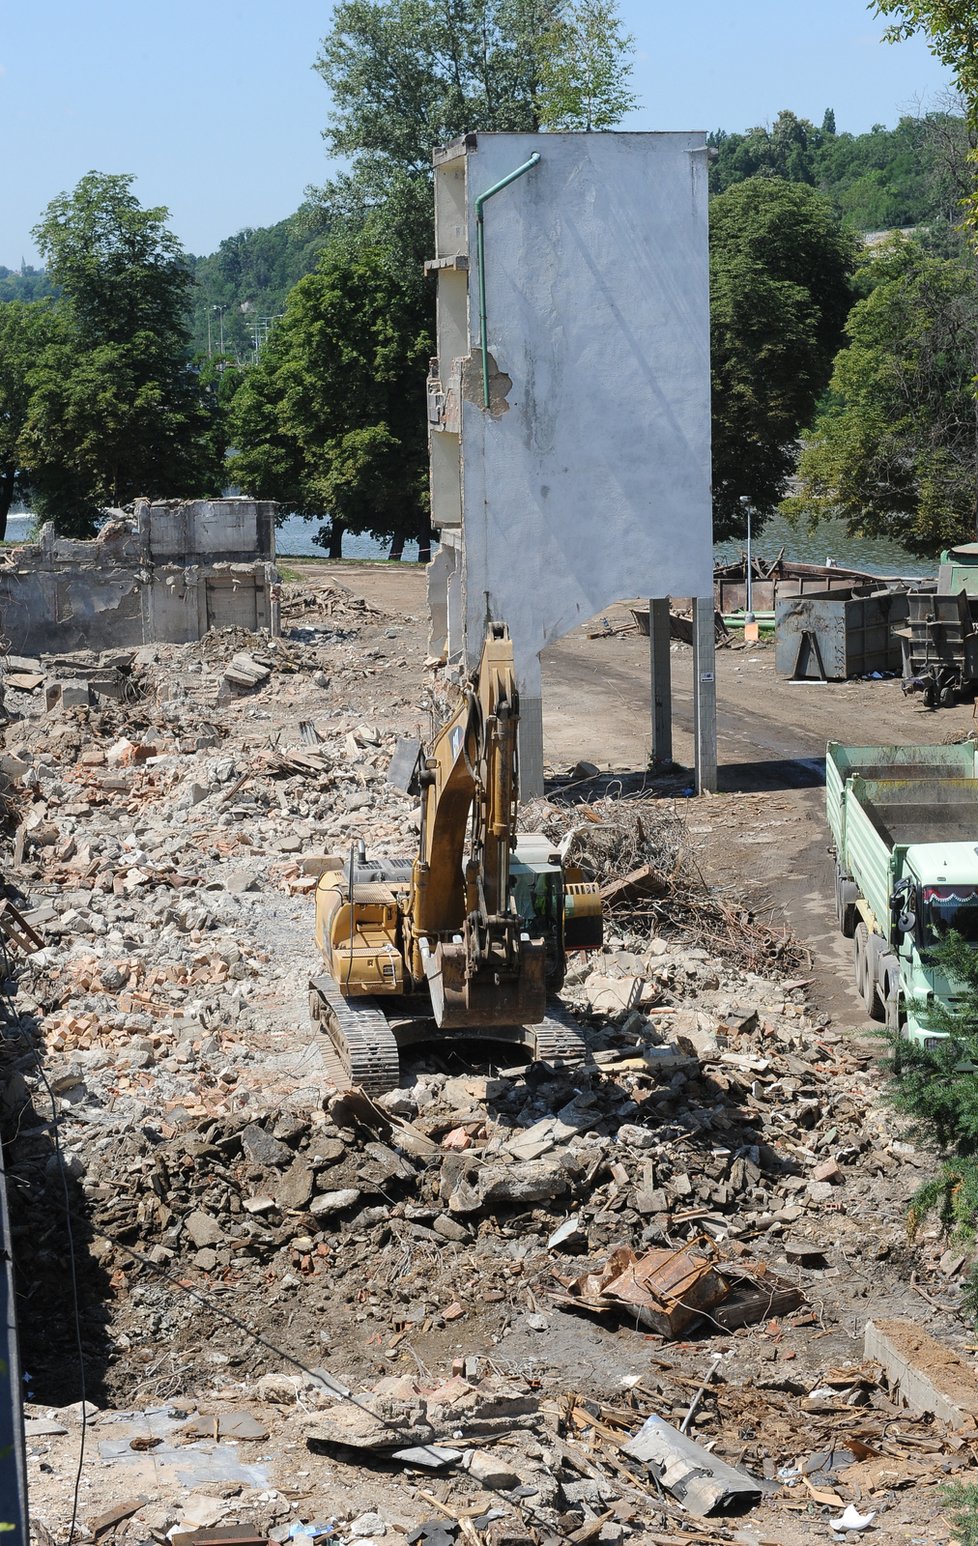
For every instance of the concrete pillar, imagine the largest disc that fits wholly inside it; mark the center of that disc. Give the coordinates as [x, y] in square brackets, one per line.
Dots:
[456, 609]
[436, 573]
[704, 695]
[531, 731]
[661, 672]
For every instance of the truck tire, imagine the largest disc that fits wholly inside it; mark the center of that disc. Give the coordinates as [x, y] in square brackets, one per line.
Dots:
[948, 697]
[846, 896]
[873, 998]
[859, 938]
[889, 975]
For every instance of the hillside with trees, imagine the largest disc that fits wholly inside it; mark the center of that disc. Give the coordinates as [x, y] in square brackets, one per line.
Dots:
[242, 287]
[303, 344]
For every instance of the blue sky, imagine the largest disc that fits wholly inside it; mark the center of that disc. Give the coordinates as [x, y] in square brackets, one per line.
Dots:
[215, 107]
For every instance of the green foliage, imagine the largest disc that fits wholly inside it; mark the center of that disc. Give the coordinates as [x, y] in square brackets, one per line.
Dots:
[876, 181]
[951, 29]
[936, 1086]
[407, 75]
[27, 328]
[115, 408]
[25, 284]
[404, 77]
[584, 68]
[331, 420]
[787, 150]
[780, 290]
[119, 267]
[894, 449]
[962, 1501]
[249, 278]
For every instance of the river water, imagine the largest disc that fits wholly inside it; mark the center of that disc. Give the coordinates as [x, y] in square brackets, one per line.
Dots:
[827, 540]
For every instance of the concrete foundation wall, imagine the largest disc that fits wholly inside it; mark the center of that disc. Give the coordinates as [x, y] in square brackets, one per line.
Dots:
[120, 590]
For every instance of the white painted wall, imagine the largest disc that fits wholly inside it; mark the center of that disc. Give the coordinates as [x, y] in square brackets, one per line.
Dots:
[594, 485]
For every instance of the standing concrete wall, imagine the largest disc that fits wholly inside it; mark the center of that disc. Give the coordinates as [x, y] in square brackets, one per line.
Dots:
[587, 479]
[175, 571]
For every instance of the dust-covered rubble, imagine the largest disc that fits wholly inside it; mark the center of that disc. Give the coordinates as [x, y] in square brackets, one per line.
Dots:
[237, 1213]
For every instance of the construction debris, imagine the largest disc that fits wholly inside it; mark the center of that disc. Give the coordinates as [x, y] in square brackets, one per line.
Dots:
[452, 1310]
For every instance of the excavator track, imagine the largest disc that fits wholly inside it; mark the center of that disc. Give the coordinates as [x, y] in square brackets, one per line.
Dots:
[361, 1035]
[557, 1039]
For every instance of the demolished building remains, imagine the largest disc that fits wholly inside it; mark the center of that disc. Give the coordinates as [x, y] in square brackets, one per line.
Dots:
[163, 576]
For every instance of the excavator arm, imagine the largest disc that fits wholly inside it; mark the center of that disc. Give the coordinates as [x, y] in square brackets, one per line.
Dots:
[462, 931]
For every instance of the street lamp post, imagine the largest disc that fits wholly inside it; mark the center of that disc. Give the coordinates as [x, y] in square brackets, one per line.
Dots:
[749, 614]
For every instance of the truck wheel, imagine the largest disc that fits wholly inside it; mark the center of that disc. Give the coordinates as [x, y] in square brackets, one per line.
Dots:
[931, 696]
[859, 939]
[846, 894]
[889, 972]
[948, 697]
[872, 985]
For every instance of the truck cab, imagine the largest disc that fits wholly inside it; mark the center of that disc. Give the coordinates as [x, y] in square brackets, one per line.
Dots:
[943, 892]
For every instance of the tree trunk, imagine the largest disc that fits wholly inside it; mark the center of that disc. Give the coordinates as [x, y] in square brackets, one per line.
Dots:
[396, 550]
[7, 476]
[336, 530]
[424, 544]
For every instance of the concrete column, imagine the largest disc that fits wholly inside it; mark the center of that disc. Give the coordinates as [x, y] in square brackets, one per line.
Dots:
[704, 695]
[531, 731]
[661, 672]
[436, 573]
[456, 609]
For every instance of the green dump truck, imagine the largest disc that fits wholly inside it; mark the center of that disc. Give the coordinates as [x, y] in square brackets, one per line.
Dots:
[904, 820]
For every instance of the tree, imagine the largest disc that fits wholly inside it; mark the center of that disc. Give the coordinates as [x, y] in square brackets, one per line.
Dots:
[951, 29]
[331, 421]
[787, 150]
[116, 408]
[780, 268]
[895, 449]
[584, 68]
[408, 75]
[27, 328]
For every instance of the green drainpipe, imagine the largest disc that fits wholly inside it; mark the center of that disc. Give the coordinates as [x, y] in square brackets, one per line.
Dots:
[480, 232]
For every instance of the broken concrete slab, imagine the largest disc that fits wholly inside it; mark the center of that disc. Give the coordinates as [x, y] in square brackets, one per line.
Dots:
[924, 1375]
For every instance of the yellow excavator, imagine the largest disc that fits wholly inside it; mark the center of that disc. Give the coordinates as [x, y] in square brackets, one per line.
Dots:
[474, 932]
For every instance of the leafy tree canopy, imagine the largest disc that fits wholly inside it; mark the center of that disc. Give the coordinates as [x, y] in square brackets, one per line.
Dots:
[951, 30]
[245, 283]
[118, 266]
[894, 450]
[584, 68]
[886, 178]
[24, 284]
[115, 408]
[780, 269]
[27, 328]
[331, 420]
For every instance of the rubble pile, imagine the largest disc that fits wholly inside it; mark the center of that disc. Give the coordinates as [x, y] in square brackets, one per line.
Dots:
[495, 1261]
[640, 851]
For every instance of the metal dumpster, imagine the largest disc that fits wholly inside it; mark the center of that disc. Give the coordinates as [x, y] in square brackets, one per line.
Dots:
[940, 646]
[832, 635]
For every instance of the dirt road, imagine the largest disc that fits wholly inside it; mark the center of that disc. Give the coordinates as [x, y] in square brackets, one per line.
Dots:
[764, 833]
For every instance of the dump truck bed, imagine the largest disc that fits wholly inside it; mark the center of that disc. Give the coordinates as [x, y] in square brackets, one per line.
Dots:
[908, 776]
